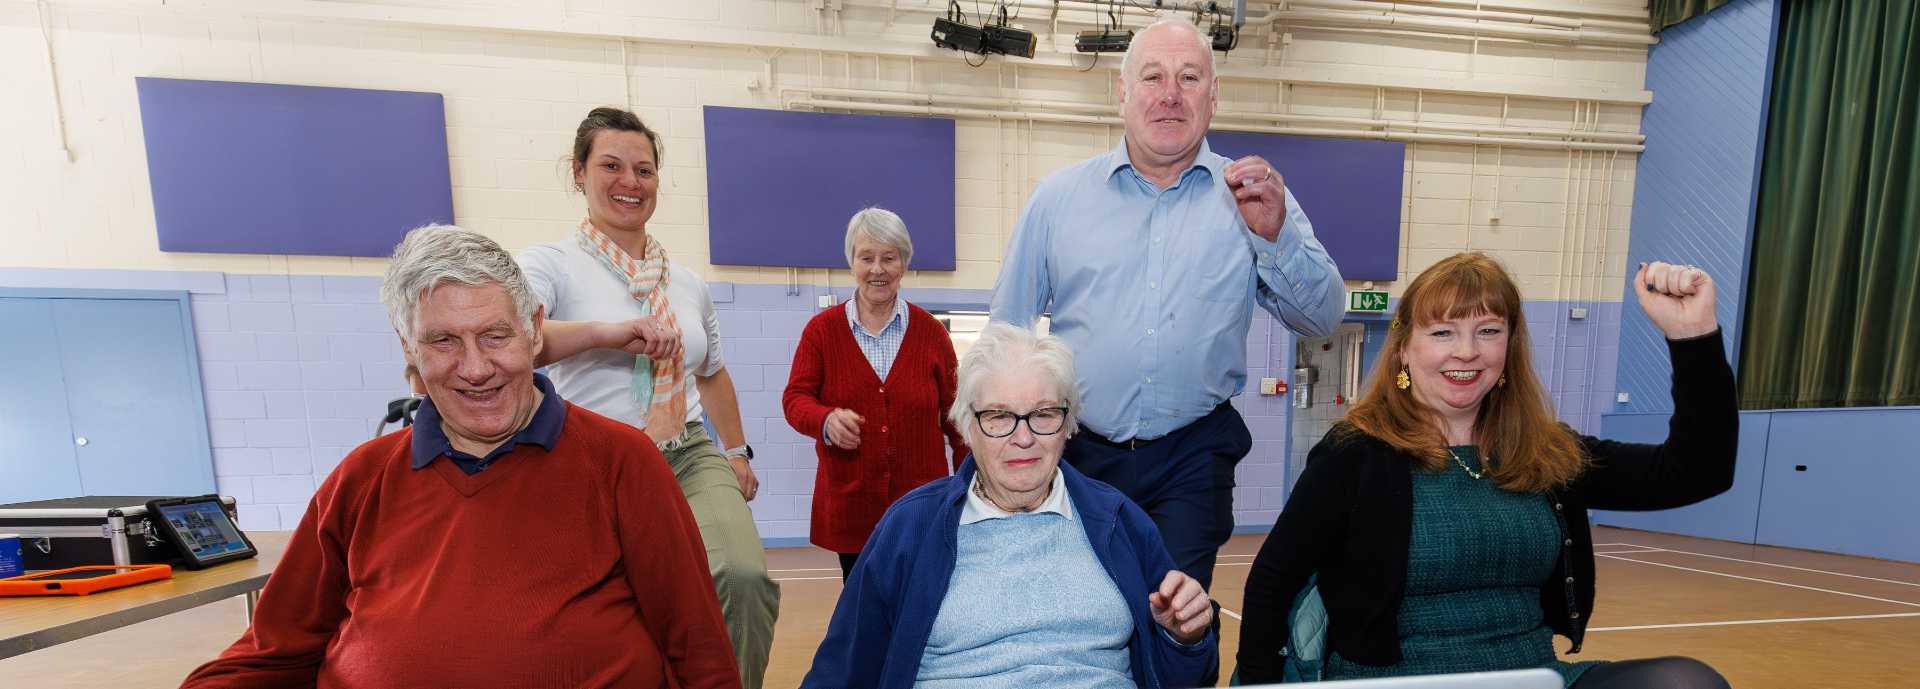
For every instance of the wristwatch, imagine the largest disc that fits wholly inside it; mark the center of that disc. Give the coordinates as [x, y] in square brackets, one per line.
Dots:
[744, 450]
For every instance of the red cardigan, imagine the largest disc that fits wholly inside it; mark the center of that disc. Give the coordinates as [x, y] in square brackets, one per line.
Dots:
[576, 567]
[904, 441]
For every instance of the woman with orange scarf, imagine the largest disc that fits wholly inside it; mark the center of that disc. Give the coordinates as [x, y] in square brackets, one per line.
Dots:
[632, 336]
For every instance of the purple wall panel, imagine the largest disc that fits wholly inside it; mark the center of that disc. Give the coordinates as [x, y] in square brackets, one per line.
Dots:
[279, 169]
[781, 185]
[1349, 188]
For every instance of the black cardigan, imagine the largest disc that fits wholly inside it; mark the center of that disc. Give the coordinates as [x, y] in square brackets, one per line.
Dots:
[1350, 516]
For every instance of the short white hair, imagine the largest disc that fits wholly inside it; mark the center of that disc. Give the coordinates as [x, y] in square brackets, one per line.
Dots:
[1206, 46]
[1004, 348]
[437, 254]
[883, 226]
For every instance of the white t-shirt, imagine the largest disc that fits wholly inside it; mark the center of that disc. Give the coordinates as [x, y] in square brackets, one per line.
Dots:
[575, 286]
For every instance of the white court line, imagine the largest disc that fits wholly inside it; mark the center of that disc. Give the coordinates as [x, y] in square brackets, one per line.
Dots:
[1781, 620]
[1233, 564]
[1629, 545]
[1597, 552]
[1765, 581]
[806, 578]
[1770, 564]
[1229, 613]
[815, 569]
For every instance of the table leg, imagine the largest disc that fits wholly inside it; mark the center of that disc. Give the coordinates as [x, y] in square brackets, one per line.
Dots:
[253, 598]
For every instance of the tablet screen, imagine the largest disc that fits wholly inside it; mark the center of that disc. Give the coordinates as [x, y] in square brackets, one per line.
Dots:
[204, 529]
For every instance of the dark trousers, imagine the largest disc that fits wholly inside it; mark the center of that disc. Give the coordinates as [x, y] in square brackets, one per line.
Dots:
[1183, 480]
[1652, 673]
[846, 564]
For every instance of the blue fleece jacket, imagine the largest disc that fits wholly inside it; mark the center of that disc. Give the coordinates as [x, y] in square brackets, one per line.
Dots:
[886, 611]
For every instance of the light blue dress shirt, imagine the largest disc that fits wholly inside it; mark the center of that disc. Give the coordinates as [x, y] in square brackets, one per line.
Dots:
[881, 348]
[1154, 289]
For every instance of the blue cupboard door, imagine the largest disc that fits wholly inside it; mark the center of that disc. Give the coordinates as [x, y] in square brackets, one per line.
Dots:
[36, 443]
[134, 396]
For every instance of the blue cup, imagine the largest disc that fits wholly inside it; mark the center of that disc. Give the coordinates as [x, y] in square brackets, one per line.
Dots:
[10, 562]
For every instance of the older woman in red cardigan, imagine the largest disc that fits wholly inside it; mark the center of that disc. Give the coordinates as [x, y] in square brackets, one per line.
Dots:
[869, 384]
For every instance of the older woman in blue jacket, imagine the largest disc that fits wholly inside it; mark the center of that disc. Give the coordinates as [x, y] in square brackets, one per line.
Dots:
[1018, 570]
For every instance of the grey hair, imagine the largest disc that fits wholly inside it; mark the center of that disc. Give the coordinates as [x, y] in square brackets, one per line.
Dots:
[435, 254]
[883, 226]
[1206, 46]
[1003, 348]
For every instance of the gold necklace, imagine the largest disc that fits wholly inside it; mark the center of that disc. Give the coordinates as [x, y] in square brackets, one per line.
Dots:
[1463, 465]
[980, 489]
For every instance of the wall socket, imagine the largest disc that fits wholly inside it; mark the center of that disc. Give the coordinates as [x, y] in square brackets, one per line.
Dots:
[1578, 313]
[1621, 398]
[826, 301]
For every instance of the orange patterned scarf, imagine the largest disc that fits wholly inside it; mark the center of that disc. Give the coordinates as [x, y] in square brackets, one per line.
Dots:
[658, 386]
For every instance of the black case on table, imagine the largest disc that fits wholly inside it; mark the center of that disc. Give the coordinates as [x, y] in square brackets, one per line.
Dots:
[91, 530]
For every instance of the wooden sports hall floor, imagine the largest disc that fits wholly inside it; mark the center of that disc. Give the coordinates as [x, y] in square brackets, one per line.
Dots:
[1768, 618]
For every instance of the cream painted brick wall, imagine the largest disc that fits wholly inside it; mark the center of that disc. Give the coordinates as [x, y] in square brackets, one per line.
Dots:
[513, 99]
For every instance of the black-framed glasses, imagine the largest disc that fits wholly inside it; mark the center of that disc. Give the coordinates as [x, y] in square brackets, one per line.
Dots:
[1000, 423]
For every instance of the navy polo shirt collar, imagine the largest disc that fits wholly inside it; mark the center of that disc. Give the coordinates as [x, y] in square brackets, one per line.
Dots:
[430, 442]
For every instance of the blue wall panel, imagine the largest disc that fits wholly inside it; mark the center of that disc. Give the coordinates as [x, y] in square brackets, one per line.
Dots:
[759, 214]
[1349, 189]
[1729, 516]
[282, 169]
[1856, 492]
[1694, 192]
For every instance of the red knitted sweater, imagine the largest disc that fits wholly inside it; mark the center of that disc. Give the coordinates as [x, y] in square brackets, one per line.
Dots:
[579, 567]
[904, 442]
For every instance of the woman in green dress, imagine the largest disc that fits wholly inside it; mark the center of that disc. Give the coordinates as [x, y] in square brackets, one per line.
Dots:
[1445, 519]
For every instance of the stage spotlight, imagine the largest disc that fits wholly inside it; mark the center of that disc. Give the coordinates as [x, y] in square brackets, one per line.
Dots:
[1007, 40]
[992, 39]
[1102, 41]
[1224, 37]
[954, 35]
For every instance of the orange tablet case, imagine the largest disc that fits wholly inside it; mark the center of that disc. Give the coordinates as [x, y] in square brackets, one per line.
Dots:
[38, 583]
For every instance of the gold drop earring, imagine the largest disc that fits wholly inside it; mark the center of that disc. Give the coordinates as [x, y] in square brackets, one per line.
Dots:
[1402, 380]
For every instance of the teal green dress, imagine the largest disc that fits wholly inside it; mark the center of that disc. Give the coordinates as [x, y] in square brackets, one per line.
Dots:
[1477, 558]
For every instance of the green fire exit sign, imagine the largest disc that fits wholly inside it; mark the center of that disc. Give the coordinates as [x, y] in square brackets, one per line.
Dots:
[1367, 300]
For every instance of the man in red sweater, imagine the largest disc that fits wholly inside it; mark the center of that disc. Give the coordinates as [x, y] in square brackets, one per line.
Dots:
[507, 539]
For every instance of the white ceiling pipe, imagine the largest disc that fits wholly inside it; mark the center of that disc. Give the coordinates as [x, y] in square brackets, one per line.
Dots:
[1041, 18]
[1394, 7]
[1410, 137]
[1590, 8]
[1127, 8]
[1519, 27]
[674, 32]
[1311, 17]
[931, 99]
[1634, 26]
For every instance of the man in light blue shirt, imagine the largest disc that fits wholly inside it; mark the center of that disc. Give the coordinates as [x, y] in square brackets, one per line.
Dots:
[1149, 258]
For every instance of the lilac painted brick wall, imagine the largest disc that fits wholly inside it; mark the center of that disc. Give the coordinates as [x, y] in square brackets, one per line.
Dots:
[298, 370]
